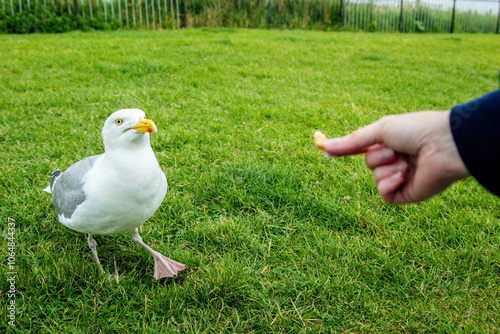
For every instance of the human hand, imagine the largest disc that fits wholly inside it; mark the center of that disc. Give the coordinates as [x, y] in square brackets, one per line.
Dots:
[413, 156]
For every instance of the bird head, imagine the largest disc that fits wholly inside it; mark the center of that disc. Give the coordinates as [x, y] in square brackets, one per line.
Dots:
[127, 127]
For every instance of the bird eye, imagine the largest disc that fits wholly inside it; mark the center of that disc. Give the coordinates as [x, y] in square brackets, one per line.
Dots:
[118, 121]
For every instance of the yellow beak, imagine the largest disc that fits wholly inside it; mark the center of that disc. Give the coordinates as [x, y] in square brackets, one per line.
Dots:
[144, 125]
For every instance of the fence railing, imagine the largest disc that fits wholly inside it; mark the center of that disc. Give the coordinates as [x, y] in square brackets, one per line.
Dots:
[467, 16]
[420, 16]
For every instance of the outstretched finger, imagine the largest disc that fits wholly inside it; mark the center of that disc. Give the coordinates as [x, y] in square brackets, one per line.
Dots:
[356, 142]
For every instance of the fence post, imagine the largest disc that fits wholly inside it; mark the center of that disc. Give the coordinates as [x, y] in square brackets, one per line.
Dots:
[140, 14]
[75, 4]
[401, 24]
[341, 14]
[105, 11]
[498, 18]
[172, 11]
[126, 12]
[153, 13]
[11, 8]
[133, 13]
[177, 7]
[453, 17]
[166, 11]
[270, 14]
[159, 13]
[120, 13]
[183, 3]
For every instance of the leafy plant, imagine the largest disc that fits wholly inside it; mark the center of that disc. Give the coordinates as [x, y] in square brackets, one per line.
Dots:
[52, 18]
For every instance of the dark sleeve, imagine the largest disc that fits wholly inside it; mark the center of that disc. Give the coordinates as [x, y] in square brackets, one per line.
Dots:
[476, 130]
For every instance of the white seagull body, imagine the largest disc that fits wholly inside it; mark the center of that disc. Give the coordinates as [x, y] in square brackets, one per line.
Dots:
[117, 191]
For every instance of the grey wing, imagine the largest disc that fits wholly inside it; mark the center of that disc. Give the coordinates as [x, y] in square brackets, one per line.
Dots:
[67, 189]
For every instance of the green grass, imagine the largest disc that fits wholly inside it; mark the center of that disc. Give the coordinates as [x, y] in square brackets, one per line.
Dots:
[278, 239]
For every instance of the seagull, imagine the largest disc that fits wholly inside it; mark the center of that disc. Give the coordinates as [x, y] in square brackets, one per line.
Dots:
[117, 191]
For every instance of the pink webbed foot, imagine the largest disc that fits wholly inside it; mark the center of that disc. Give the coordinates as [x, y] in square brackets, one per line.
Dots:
[165, 267]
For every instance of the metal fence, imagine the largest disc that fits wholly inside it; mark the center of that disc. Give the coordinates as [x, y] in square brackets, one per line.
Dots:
[467, 16]
[410, 16]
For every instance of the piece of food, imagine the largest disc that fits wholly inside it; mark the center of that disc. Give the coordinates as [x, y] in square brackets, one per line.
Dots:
[319, 140]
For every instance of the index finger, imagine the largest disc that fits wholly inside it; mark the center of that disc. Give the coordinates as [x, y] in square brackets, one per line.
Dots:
[356, 142]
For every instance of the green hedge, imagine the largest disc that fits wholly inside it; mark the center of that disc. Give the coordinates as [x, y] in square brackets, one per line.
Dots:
[50, 19]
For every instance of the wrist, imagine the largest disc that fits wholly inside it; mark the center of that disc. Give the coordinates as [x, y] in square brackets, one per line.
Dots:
[456, 166]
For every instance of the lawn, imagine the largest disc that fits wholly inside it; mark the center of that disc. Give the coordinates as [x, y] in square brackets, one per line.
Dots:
[277, 238]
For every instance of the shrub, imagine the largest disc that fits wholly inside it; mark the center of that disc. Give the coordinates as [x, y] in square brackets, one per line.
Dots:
[48, 19]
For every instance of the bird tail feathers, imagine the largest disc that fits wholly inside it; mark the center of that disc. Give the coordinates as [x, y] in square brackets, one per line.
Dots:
[53, 177]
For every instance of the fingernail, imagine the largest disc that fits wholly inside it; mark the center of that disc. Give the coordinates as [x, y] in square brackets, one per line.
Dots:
[332, 141]
[396, 176]
[385, 153]
[328, 155]
[402, 166]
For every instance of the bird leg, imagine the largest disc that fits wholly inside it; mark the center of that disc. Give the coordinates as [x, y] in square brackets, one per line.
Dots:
[93, 248]
[164, 267]
[92, 245]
